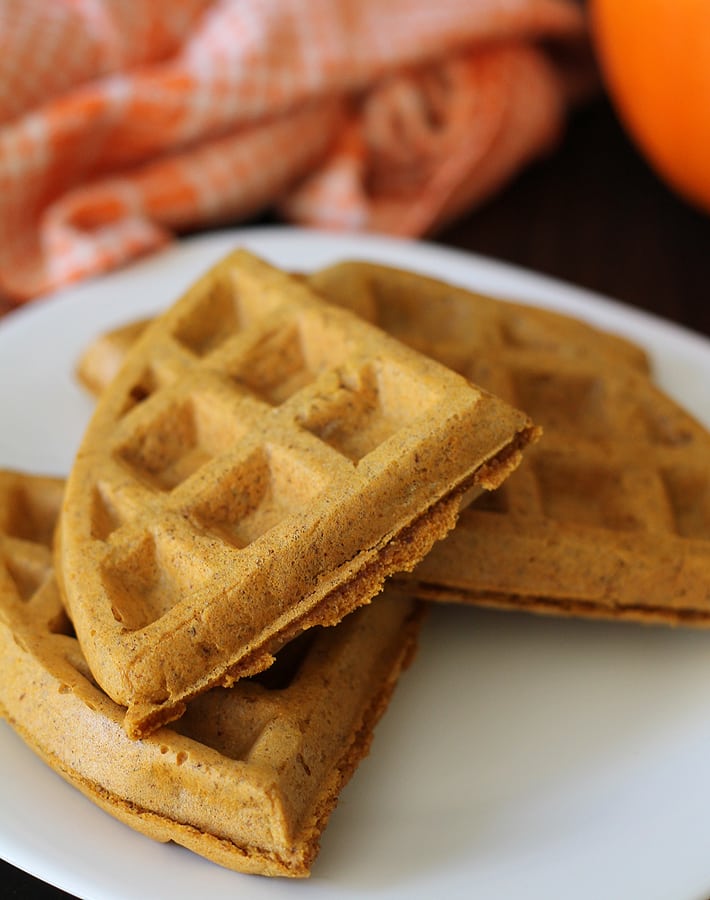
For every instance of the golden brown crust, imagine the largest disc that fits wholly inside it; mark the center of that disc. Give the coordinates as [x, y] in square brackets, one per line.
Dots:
[567, 607]
[608, 515]
[615, 526]
[258, 450]
[253, 773]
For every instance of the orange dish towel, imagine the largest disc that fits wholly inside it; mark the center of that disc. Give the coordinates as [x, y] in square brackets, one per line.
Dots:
[123, 122]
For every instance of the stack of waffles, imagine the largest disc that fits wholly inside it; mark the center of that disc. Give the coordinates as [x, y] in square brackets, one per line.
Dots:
[276, 455]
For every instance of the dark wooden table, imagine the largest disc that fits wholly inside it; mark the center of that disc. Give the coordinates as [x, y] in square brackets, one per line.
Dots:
[591, 213]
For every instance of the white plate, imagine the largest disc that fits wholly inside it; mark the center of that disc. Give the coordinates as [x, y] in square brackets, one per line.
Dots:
[520, 757]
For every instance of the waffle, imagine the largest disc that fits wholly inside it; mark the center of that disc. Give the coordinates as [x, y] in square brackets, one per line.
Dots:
[608, 515]
[459, 328]
[253, 773]
[262, 462]
[101, 360]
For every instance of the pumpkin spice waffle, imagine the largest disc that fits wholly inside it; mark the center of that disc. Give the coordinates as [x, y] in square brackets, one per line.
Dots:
[252, 773]
[454, 326]
[101, 360]
[467, 331]
[609, 514]
[261, 463]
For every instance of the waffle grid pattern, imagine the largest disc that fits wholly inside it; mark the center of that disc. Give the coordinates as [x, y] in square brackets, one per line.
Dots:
[261, 464]
[609, 514]
[249, 774]
[281, 403]
[28, 512]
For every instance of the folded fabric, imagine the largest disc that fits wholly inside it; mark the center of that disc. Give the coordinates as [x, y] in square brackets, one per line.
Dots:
[123, 123]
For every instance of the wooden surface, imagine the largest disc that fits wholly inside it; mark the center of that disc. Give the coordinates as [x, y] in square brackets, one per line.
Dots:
[593, 214]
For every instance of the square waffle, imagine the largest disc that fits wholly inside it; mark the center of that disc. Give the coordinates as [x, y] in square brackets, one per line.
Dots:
[459, 328]
[261, 463]
[609, 514]
[251, 774]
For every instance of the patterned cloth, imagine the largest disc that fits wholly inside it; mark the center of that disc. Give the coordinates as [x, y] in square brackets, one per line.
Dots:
[123, 122]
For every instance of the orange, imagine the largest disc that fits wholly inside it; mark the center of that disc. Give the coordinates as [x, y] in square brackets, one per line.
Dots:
[655, 61]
